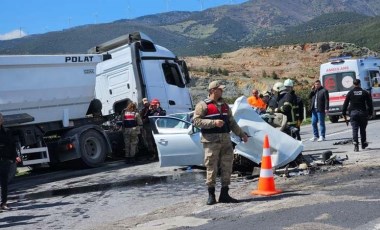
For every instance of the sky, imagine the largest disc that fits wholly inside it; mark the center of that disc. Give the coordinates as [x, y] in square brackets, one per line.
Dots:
[19, 18]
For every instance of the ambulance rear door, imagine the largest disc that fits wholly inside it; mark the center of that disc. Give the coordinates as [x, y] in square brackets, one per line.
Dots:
[337, 77]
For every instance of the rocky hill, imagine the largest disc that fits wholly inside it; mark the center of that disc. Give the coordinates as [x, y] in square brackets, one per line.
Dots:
[260, 68]
[225, 28]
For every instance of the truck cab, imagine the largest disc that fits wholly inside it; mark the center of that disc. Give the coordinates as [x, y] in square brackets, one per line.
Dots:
[141, 69]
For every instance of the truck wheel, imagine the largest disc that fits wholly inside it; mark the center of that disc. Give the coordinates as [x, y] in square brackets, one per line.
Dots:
[334, 119]
[12, 172]
[93, 148]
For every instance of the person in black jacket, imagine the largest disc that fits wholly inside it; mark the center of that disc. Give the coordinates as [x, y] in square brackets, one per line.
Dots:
[360, 108]
[8, 156]
[319, 108]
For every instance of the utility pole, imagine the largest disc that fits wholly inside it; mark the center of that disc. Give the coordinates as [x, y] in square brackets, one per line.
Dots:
[69, 21]
[167, 5]
[129, 11]
[201, 2]
[96, 17]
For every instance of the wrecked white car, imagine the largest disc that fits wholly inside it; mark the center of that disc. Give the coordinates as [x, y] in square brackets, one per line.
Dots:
[178, 141]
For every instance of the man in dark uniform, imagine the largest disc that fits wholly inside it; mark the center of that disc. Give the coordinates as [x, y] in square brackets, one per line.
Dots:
[214, 117]
[361, 107]
[8, 155]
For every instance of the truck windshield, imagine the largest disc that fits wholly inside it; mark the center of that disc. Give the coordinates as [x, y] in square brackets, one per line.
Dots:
[172, 75]
[338, 82]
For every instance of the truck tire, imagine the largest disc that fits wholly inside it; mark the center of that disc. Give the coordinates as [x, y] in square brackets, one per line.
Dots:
[12, 172]
[93, 148]
[334, 119]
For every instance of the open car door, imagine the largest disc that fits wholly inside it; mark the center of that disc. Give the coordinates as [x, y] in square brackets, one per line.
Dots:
[178, 141]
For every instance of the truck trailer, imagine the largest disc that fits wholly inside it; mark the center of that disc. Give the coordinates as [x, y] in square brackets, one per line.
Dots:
[61, 107]
[337, 77]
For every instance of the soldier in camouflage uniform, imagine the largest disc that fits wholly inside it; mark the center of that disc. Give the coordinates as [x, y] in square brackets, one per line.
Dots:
[132, 124]
[214, 117]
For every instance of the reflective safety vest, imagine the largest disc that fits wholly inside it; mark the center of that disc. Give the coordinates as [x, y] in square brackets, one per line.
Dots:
[129, 120]
[214, 114]
[293, 113]
[288, 105]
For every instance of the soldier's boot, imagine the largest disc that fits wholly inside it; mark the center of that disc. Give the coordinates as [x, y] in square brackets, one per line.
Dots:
[364, 145]
[129, 160]
[225, 197]
[211, 196]
[356, 146]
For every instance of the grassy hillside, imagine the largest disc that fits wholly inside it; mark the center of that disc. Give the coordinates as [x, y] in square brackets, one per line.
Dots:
[342, 27]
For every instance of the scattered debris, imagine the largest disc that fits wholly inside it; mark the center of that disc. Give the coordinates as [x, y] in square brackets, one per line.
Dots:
[308, 164]
[303, 166]
[343, 142]
[335, 160]
[326, 155]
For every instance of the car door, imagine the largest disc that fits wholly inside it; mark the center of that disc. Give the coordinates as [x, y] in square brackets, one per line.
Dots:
[178, 141]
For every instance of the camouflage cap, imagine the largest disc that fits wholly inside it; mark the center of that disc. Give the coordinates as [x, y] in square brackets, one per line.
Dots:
[216, 84]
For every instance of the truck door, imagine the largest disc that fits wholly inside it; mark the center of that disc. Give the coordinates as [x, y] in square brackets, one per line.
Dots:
[155, 84]
[164, 81]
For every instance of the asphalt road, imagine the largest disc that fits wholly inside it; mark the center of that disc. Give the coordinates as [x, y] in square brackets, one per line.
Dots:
[146, 196]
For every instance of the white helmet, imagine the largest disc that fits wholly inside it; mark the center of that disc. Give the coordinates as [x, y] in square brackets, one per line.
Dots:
[278, 87]
[288, 82]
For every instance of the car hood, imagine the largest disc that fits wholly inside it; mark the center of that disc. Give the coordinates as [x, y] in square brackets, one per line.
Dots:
[284, 148]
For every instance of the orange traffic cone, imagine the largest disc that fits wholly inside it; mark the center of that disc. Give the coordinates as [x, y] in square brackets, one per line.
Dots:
[266, 185]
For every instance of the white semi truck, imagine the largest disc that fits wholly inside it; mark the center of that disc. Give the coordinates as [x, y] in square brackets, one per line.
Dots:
[56, 105]
[337, 77]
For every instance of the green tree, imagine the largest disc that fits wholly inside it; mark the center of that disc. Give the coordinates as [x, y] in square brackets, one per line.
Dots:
[304, 95]
[225, 72]
[264, 74]
[274, 75]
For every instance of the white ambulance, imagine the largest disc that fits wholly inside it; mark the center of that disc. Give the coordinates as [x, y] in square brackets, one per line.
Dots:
[337, 77]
